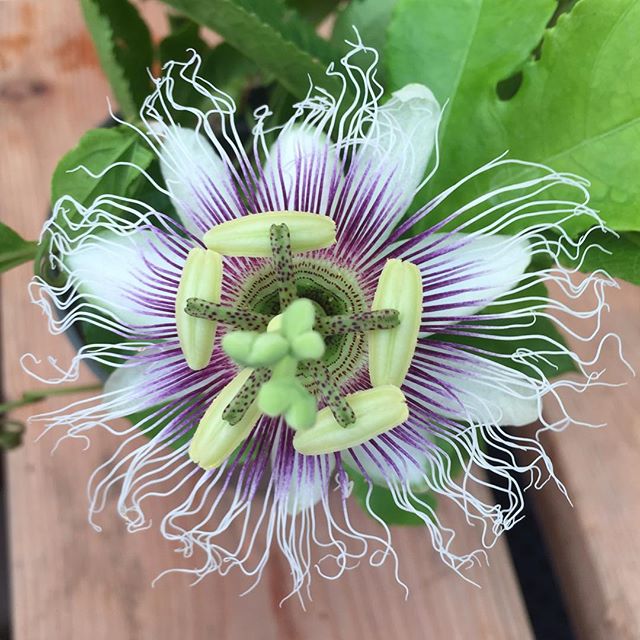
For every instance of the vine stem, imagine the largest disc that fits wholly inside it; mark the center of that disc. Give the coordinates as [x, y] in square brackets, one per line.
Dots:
[31, 397]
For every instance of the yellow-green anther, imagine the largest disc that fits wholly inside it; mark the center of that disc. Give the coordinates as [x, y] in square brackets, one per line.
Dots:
[201, 278]
[215, 439]
[250, 235]
[240, 318]
[308, 346]
[281, 250]
[243, 400]
[391, 351]
[377, 411]
[358, 322]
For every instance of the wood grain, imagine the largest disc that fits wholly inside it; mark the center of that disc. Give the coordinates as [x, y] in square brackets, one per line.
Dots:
[71, 583]
[596, 544]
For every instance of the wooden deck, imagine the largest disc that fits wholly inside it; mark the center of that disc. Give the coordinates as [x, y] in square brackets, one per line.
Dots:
[69, 582]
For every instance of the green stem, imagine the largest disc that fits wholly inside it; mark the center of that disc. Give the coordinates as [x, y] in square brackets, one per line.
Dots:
[283, 263]
[358, 322]
[31, 397]
[11, 431]
[240, 318]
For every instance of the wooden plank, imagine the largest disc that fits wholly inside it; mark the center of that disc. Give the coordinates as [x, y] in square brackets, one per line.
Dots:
[68, 581]
[596, 544]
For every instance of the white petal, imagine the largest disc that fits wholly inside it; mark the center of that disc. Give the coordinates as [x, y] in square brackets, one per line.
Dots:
[472, 271]
[402, 137]
[201, 187]
[150, 376]
[127, 378]
[110, 270]
[408, 471]
[515, 406]
[493, 396]
[302, 171]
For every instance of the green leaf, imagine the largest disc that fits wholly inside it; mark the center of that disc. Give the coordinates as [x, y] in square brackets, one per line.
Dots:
[225, 68]
[371, 19]
[222, 66]
[276, 39]
[619, 257]
[185, 34]
[14, 250]
[124, 46]
[382, 505]
[461, 50]
[98, 149]
[313, 10]
[577, 109]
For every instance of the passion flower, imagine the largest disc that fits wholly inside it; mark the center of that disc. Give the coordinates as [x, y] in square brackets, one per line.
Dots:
[293, 329]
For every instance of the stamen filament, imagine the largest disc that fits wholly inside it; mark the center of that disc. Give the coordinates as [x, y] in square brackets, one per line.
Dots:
[342, 411]
[281, 249]
[240, 318]
[236, 409]
[358, 322]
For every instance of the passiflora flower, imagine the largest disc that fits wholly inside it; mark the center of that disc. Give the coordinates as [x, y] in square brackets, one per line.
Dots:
[295, 327]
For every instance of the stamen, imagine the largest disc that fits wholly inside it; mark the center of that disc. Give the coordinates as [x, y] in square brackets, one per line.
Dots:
[201, 276]
[391, 352]
[248, 236]
[377, 411]
[282, 260]
[338, 404]
[237, 408]
[215, 439]
[358, 322]
[240, 318]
